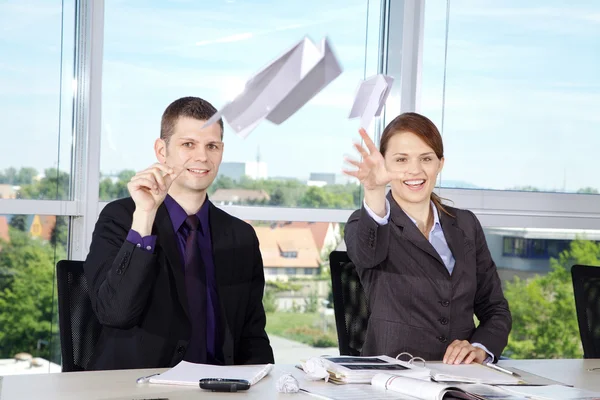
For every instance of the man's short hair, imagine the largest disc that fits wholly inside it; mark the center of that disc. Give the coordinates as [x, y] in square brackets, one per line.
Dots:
[192, 107]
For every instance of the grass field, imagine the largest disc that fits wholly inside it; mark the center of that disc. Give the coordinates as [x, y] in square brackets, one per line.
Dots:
[302, 327]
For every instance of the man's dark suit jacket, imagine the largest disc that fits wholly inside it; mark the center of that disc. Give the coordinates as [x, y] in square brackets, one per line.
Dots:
[416, 305]
[140, 296]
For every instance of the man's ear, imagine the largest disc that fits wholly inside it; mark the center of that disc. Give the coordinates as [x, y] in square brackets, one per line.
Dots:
[160, 150]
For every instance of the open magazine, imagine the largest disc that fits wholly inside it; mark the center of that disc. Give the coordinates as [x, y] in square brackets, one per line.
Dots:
[427, 390]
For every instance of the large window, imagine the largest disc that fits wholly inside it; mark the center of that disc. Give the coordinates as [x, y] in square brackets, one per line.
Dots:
[37, 41]
[298, 297]
[36, 80]
[209, 49]
[30, 246]
[515, 87]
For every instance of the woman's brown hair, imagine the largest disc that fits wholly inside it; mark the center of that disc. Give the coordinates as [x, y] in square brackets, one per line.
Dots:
[425, 130]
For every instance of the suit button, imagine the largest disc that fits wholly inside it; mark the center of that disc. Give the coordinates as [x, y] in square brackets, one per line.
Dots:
[445, 303]
[180, 349]
[443, 321]
[442, 339]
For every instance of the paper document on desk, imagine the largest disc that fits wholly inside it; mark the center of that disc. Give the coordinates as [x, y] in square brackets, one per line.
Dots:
[370, 98]
[189, 374]
[281, 88]
[470, 373]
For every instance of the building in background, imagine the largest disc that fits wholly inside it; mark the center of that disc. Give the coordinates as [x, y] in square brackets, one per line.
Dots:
[253, 169]
[321, 179]
[38, 226]
[4, 229]
[227, 197]
[8, 191]
[288, 252]
[327, 235]
[525, 252]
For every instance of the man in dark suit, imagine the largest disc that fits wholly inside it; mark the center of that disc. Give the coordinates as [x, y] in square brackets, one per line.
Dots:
[172, 277]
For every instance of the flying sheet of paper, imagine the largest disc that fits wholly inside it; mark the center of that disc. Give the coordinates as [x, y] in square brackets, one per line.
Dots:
[281, 88]
[370, 98]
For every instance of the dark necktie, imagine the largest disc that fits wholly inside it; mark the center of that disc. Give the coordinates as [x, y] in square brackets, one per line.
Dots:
[195, 283]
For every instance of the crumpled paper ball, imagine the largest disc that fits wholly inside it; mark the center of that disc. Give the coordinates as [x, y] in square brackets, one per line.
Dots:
[288, 384]
[315, 369]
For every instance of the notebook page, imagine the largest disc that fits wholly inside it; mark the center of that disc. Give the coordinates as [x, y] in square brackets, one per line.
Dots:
[410, 387]
[186, 373]
[474, 373]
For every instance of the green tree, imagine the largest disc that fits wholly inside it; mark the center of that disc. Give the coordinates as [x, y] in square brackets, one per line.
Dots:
[19, 222]
[316, 197]
[277, 197]
[543, 308]
[526, 188]
[54, 185]
[106, 189]
[588, 190]
[8, 176]
[26, 175]
[126, 175]
[311, 303]
[26, 301]
[60, 232]
[269, 300]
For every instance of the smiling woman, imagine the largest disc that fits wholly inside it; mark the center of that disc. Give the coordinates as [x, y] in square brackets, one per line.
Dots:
[416, 256]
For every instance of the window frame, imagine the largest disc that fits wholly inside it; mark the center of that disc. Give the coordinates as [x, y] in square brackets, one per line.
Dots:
[400, 55]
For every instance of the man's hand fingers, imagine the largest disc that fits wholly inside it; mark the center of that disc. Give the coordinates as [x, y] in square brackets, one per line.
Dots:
[170, 178]
[142, 183]
[158, 176]
[163, 167]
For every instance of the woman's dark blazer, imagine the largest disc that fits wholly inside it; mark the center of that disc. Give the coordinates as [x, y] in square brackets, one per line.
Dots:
[416, 305]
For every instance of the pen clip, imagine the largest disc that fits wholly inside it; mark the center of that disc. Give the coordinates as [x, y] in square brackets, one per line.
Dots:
[145, 379]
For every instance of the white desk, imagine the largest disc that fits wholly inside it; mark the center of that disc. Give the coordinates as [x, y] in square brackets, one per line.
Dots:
[120, 385]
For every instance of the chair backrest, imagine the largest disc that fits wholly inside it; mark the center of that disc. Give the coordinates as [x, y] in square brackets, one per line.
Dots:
[586, 287]
[77, 322]
[349, 303]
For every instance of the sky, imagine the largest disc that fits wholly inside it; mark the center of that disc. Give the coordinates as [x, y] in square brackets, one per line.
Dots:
[522, 90]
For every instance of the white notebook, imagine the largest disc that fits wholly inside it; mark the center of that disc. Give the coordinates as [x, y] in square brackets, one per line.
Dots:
[470, 373]
[187, 373]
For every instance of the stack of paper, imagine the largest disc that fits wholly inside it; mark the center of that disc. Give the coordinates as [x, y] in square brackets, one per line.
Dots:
[187, 373]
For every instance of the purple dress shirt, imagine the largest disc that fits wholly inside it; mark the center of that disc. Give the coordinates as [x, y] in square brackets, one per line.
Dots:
[178, 216]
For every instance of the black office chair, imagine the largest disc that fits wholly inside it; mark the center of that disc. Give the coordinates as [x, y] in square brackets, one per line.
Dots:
[78, 325]
[586, 287]
[349, 304]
